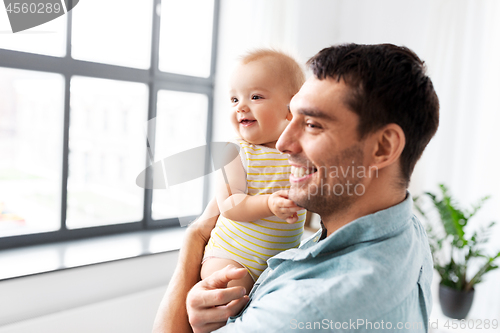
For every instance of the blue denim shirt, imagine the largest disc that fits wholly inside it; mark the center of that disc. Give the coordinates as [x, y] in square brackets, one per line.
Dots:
[372, 275]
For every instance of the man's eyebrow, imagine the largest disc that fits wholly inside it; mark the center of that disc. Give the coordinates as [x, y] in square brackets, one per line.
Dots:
[316, 114]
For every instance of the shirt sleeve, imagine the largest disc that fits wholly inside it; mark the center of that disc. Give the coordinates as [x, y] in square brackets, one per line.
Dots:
[276, 312]
[292, 308]
[243, 153]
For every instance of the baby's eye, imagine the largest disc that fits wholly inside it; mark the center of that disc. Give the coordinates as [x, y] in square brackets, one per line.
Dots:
[234, 100]
[256, 97]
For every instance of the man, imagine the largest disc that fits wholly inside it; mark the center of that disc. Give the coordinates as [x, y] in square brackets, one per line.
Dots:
[360, 124]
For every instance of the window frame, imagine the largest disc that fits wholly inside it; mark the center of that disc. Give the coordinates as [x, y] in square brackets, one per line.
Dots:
[155, 80]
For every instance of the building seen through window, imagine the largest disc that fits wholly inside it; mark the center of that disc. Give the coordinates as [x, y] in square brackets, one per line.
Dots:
[76, 98]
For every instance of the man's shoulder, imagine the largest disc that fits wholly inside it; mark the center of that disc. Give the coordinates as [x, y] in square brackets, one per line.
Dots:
[369, 278]
[385, 279]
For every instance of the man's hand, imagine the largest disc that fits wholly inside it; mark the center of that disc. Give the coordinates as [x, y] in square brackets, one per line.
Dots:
[283, 207]
[210, 302]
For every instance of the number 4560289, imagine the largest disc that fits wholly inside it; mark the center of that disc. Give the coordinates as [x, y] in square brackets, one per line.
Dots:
[472, 324]
[33, 8]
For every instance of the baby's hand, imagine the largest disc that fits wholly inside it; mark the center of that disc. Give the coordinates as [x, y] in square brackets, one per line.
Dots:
[283, 207]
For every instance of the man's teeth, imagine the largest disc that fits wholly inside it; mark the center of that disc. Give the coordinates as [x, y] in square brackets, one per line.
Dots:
[300, 172]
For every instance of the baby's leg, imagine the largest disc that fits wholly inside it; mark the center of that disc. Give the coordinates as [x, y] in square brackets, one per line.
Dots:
[215, 264]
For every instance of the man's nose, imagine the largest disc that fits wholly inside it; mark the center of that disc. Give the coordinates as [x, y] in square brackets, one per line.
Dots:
[288, 142]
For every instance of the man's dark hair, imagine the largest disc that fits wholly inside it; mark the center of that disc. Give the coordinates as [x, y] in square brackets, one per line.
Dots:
[388, 85]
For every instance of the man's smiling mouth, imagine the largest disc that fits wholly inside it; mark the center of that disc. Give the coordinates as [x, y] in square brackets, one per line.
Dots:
[300, 173]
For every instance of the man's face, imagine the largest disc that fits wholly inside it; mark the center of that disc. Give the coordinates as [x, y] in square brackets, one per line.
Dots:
[325, 153]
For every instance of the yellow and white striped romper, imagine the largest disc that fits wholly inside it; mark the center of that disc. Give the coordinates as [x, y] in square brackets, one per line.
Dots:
[252, 243]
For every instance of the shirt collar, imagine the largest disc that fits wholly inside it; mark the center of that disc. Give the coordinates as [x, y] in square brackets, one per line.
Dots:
[367, 228]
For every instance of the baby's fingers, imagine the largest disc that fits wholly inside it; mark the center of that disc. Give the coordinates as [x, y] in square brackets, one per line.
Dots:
[285, 213]
[290, 210]
[287, 203]
[292, 219]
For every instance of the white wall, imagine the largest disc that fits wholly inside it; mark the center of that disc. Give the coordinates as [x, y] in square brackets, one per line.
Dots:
[460, 42]
[302, 28]
[120, 296]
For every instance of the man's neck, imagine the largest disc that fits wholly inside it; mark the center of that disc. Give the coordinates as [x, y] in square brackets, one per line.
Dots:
[369, 203]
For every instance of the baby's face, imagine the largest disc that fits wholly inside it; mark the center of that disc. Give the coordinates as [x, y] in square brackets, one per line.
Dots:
[259, 103]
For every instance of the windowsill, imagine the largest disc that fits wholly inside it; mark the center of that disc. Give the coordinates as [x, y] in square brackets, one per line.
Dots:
[53, 257]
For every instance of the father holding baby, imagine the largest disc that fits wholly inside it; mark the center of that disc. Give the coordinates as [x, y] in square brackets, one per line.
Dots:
[359, 125]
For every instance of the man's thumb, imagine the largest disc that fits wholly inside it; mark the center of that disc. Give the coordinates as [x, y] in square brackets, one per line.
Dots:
[221, 278]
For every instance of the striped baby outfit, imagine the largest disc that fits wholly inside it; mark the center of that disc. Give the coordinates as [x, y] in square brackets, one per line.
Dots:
[252, 243]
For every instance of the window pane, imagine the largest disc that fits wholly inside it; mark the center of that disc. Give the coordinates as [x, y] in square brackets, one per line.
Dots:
[48, 38]
[116, 32]
[186, 37]
[181, 124]
[107, 151]
[31, 135]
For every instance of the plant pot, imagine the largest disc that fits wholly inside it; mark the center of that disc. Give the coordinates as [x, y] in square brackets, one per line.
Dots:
[455, 303]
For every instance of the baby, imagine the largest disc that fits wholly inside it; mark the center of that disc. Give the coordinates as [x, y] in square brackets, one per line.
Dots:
[257, 219]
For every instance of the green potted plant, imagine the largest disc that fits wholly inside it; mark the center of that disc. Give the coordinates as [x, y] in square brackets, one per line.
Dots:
[454, 247]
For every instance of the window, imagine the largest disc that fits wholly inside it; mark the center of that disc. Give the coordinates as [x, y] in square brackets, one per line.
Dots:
[87, 104]
[177, 111]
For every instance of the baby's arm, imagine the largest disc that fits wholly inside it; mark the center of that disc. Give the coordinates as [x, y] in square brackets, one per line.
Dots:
[283, 207]
[236, 205]
[210, 211]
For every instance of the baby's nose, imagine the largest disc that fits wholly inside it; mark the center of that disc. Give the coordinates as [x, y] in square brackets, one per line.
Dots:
[242, 108]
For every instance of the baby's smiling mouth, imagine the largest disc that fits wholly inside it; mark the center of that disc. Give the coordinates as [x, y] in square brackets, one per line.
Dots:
[247, 122]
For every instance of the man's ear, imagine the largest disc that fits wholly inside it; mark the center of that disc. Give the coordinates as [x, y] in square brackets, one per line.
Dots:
[389, 143]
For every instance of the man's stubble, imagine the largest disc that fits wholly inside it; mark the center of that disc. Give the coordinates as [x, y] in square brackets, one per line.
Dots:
[325, 198]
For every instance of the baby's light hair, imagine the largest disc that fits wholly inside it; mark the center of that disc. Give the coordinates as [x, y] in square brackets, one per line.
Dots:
[286, 67]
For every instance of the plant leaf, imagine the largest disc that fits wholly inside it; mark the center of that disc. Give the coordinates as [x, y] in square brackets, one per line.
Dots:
[487, 267]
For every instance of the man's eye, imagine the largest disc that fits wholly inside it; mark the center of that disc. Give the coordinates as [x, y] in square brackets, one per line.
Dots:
[234, 100]
[310, 125]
